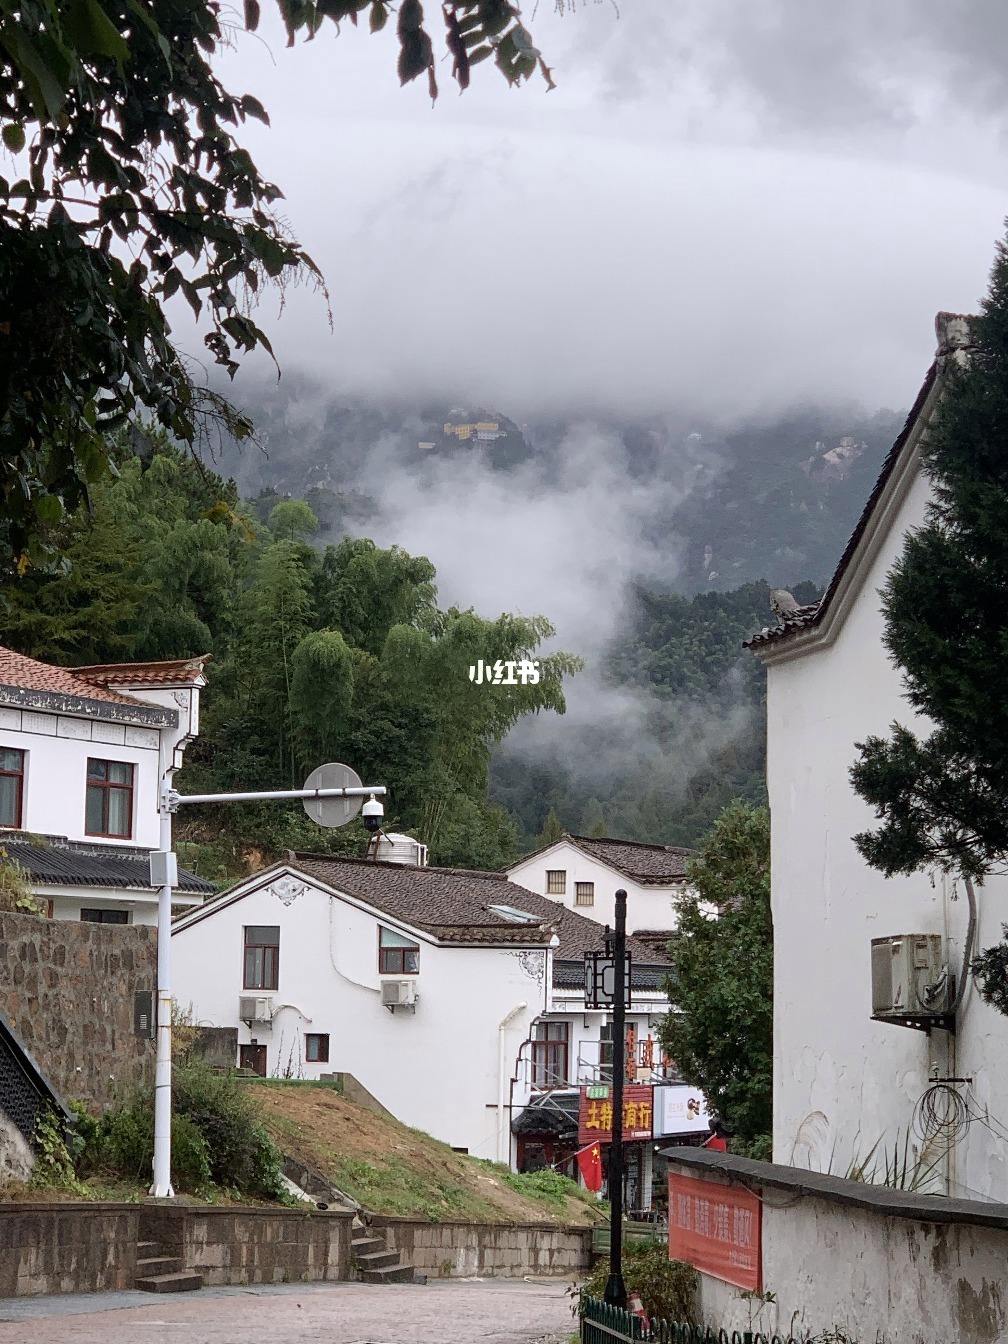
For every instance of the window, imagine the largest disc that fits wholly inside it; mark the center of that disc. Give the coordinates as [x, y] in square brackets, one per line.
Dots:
[316, 1047]
[109, 806]
[99, 916]
[584, 893]
[11, 786]
[606, 1049]
[549, 1054]
[556, 881]
[397, 955]
[262, 956]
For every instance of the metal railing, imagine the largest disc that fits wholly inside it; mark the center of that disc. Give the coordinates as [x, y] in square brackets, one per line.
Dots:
[603, 1324]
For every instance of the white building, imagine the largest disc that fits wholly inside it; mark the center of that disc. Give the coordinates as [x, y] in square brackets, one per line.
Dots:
[452, 996]
[842, 1080]
[82, 751]
[583, 873]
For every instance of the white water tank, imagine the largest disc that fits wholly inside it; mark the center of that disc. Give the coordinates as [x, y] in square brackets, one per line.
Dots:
[395, 847]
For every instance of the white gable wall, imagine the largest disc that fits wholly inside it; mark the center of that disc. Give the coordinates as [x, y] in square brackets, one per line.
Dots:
[437, 1069]
[648, 907]
[841, 1080]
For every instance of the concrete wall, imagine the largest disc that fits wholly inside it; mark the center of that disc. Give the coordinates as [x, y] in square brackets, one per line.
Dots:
[647, 907]
[842, 1081]
[67, 990]
[507, 1250]
[437, 1068]
[878, 1266]
[67, 1248]
[239, 1245]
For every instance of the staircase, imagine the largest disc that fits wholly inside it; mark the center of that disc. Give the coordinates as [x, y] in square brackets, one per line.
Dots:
[375, 1262]
[159, 1271]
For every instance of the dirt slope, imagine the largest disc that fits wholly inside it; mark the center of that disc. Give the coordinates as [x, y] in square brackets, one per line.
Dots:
[392, 1169]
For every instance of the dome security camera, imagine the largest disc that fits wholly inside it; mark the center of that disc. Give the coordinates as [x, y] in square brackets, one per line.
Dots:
[372, 813]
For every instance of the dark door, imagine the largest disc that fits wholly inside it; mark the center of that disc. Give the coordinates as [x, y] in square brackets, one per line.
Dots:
[253, 1057]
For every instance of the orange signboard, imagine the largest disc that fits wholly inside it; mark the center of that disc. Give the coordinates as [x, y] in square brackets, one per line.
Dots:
[717, 1229]
[596, 1114]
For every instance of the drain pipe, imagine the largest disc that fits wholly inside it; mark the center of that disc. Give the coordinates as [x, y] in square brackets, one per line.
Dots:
[505, 1022]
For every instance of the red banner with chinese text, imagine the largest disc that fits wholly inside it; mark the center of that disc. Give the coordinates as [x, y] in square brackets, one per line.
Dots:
[596, 1113]
[717, 1229]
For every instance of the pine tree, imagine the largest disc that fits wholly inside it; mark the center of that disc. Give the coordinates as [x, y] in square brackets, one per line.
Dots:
[942, 798]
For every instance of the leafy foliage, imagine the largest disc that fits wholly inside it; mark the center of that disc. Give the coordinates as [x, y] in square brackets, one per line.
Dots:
[135, 188]
[720, 1031]
[54, 1165]
[341, 654]
[942, 796]
[668, 1288]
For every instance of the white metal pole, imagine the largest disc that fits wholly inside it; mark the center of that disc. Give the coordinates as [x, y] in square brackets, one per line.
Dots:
[162, 1187]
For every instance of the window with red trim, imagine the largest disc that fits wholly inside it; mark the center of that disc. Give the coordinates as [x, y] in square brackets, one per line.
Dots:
[12, 763]
[108, 809]
[550, 1043]
[397, 954]
[316, 1047]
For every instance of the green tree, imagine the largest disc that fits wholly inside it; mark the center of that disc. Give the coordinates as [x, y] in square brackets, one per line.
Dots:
[720, 1032]
[942, 796]
[134, 187]
[551, 832]
[292, 520]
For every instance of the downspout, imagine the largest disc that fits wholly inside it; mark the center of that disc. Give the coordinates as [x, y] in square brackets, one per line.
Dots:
[501, 1028]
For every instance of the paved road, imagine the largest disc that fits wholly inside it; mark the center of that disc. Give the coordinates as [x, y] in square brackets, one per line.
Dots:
[498, 1311]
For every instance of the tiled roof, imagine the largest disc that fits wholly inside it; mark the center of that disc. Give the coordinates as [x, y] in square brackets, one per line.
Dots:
[55, 861]
[169, 671]
[644, 975]
[31, 675]
[655, 865]
[553, 1113]
[453, 905]
[953, 334]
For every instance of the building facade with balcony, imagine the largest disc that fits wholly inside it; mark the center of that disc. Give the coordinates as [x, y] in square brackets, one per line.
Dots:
[82, 754]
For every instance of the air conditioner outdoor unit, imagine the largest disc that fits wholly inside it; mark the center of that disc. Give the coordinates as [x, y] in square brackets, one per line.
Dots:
[255, 1009]
[399, 994]
[910, 979]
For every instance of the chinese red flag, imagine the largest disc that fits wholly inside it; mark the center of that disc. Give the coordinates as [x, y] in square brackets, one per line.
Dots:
[590, 1166]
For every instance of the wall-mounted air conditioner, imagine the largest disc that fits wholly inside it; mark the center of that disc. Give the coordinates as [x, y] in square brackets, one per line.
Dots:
[911, 985]
[399, 994]
[259, 1009]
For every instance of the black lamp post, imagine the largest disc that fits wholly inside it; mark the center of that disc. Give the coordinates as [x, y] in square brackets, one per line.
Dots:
[615, 1290]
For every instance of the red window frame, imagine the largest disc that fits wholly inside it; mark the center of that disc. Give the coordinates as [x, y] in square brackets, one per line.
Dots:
[19, 775]
[321, 1040]
[550, 1054]
[392, 960]
[106, 787]
[270, 982]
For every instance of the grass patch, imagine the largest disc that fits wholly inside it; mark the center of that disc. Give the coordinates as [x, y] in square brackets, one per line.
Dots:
[392, 1186]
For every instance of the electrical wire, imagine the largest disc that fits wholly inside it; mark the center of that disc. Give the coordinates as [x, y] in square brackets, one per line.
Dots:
[941, 1119]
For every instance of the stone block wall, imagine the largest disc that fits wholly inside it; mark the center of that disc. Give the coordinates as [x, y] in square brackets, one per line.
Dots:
[67, 990]
[254, 1245]
[491, 1250]
[67, 1248]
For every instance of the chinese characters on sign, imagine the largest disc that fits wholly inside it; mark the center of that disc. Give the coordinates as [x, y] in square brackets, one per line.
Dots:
[596, 1114]
[717, 1229]
[509, 672]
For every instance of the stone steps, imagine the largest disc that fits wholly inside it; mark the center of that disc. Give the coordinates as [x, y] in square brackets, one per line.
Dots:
[375, 1262]
[158, 1271]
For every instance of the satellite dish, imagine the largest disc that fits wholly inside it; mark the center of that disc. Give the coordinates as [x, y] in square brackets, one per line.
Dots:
[333, 811]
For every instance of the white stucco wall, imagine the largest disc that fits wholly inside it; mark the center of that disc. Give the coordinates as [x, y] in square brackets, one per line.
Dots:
[57, 748]
[647, 907]
[437, 1069]
[903, 1280]
[842, 1081]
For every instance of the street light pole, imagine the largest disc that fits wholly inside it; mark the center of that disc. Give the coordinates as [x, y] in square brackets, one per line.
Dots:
[164, 874]
[615, 1289]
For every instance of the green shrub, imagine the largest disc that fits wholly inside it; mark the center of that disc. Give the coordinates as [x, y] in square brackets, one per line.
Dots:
[668, 1288]
[54, 1164]
[546, 1185]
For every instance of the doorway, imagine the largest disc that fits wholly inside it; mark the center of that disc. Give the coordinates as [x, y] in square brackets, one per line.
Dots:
[253, 1057]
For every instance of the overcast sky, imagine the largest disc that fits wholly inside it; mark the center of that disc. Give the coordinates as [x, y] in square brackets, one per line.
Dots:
[724, 206]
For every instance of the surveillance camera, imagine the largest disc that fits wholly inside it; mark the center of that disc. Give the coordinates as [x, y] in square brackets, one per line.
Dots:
[372, 813]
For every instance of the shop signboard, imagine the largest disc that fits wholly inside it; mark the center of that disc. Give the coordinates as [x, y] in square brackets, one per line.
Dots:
[596, 1113]
[680, 1108]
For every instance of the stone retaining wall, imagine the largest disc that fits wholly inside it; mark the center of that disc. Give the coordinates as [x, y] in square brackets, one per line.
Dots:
[67, 1248]
[504, 1250]
[67, 990]
[253, 1245]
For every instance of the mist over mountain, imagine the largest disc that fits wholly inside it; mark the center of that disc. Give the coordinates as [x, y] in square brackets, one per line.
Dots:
[649, 543]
